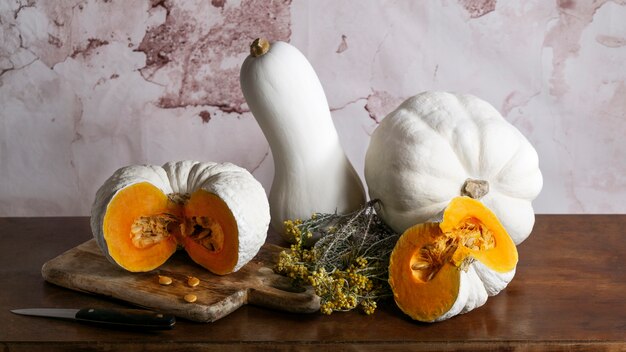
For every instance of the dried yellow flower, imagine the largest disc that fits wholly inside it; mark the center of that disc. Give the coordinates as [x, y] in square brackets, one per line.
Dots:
[348, 265]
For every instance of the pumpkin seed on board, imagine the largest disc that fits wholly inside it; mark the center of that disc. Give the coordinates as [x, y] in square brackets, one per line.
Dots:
[165, 280]
[190, 298]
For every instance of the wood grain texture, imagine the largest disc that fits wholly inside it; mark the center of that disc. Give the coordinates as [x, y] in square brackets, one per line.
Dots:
[568, 295]
[84, 268]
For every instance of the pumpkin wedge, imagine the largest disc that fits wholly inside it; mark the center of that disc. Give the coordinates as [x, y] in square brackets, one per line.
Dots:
[217, 212]
[439, 270]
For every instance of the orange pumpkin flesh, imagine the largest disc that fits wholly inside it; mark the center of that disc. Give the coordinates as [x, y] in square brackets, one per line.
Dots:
[220, 256]
[426, 263]
[143, 228]
[131, 203]
[410, 288]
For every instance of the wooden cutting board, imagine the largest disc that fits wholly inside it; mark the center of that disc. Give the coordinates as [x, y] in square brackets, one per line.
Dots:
[84, 268]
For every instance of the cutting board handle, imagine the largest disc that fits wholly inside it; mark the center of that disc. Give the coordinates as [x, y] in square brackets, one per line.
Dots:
[276, 291]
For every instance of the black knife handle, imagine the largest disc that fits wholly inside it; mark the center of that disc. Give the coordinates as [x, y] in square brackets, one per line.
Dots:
[127, 318]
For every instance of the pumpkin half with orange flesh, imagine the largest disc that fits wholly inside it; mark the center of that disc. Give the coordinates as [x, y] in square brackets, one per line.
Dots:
[217, 212]
[439, 270]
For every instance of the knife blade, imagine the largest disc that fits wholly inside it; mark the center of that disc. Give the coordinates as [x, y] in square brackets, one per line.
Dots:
[112, 317]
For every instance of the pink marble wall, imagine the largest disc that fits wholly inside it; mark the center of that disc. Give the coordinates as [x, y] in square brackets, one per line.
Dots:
[87, 86]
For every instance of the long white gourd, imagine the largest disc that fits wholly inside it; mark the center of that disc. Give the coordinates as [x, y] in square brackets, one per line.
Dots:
[311, 170]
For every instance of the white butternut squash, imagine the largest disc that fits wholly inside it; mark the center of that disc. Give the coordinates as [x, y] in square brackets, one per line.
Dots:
[311, 170]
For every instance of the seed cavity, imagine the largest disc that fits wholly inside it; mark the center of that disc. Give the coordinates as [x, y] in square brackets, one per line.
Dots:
[190, 298]
[471, 234]
[206, 232]
[146, 231]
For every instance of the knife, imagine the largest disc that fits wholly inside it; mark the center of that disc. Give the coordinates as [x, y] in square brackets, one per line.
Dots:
[111, 317]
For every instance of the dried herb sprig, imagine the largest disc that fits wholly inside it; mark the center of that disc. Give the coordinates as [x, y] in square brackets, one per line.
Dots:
[348, 262]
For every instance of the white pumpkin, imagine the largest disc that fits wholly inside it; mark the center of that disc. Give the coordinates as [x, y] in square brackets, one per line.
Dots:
[311, 170]
[436, 146]
[218, 212]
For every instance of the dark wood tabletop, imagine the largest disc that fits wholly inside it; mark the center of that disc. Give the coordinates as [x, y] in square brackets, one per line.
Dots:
[569, 293]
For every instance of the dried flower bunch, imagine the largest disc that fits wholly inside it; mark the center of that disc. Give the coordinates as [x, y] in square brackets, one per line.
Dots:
[348, 262]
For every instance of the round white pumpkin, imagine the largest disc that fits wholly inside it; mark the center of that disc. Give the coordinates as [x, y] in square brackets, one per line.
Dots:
[436, 146]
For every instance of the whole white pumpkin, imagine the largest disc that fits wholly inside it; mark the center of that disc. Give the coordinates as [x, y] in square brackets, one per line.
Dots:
[436, 146]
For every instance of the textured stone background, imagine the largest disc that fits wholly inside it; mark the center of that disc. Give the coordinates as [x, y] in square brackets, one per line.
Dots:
[87, 86]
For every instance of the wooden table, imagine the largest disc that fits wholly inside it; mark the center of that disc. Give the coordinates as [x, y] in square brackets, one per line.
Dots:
[569, 294]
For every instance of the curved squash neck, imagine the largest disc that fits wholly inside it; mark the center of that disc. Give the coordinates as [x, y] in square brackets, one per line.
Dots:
[298, 141]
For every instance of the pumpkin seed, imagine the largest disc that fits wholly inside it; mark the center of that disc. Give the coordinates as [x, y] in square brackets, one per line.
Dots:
[193, 281]
[165, 280]
[420, 266]
[190, 298]
[136, 229]
[431, 275]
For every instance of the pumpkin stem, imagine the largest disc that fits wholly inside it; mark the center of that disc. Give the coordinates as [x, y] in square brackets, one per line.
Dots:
[259, 47]
[179, 198]
[475, 188]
